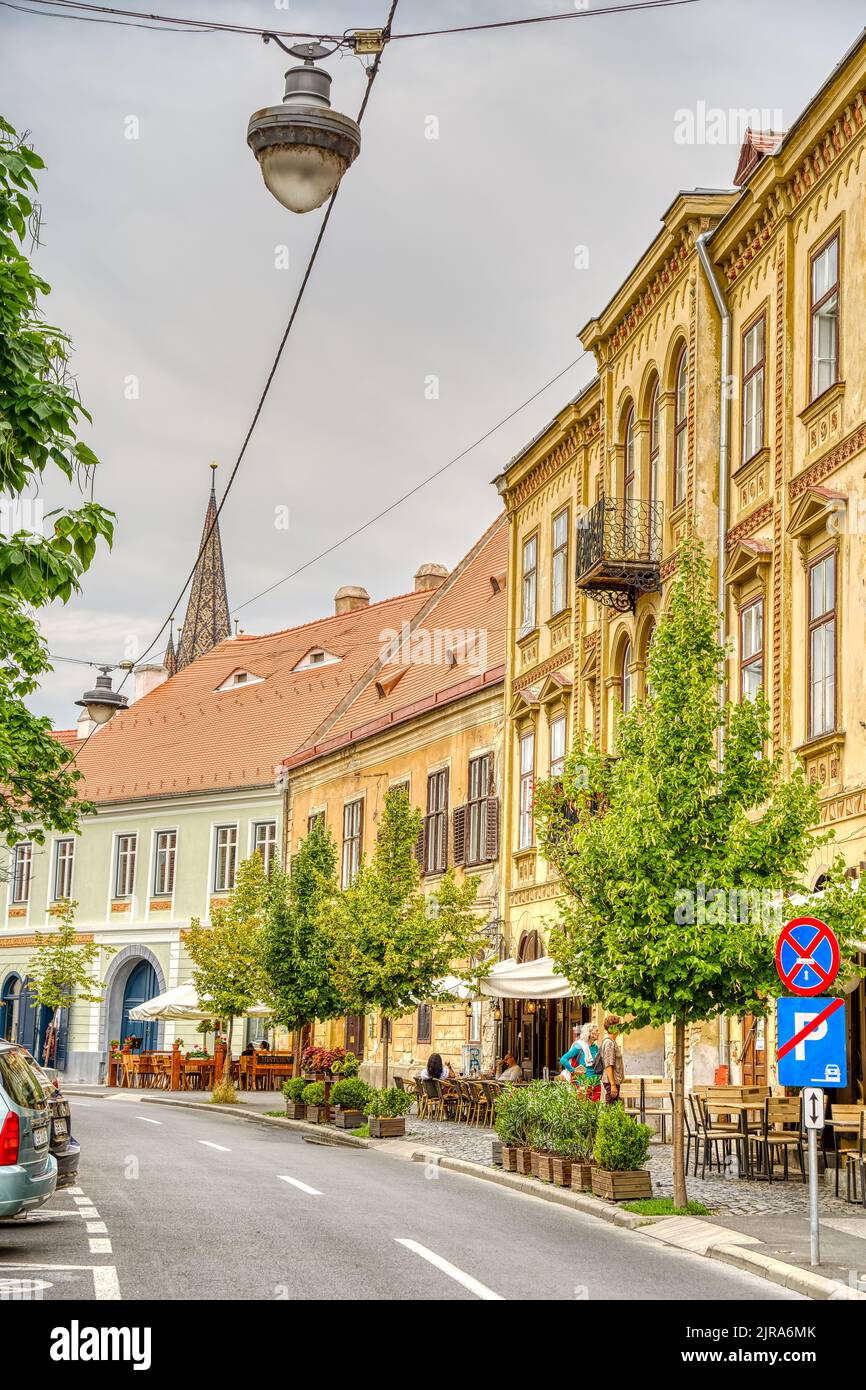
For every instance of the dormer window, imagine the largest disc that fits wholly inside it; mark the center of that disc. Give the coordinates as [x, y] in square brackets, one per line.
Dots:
[316, 656]
[239, 677]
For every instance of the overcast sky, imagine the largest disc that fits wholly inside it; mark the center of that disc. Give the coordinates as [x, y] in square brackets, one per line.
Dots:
[451, 257]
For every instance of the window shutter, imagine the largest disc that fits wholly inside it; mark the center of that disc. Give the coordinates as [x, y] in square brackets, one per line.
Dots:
[492, 846]
[420, 843]
[459, 834]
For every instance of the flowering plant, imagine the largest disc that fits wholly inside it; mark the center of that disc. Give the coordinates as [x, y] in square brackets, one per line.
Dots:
[323, 1058]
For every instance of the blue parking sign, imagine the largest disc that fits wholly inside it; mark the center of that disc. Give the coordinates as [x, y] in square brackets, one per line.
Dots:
[811, 1040]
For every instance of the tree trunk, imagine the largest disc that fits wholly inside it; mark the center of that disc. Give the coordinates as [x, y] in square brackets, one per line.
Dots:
[679, 1165]
[386, 1043]
[297, 1035]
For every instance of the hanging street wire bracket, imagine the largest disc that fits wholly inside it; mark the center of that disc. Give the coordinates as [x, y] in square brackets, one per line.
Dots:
[368, 40]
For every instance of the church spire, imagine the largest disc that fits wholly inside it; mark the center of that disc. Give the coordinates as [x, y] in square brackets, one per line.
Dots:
[207, 612]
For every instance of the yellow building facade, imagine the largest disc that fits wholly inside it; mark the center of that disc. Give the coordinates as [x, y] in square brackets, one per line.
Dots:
[730, 398]
[431, 722]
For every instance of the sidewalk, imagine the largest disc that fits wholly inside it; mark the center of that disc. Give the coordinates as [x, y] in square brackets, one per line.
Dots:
[763, 1227]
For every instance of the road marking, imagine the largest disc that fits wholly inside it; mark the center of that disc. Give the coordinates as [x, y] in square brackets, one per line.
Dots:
[296, 1182]
[88, 1213]
[208, 1145]
[97, 1228]
[100, 1246]
[82, 1201]
[74, 1191]
[480, 1290]
[145, 1119]
[105, 1282]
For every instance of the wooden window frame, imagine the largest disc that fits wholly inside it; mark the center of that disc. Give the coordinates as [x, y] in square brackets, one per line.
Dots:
[629, 467]
[63, 867]
[269, 853]
[831, 616]
[527, 625]
[815, 305]
[22, 872]
[164, 863]
[125, 865]
[760, 365]
[559, 552]
[476, 807]
[756, 658]
[436, 822]
[231, 857]
[315, 817]
[561, 717]
[526, 786]
[353, 841]
[424, 1031]
[681, 429]
[626, 678]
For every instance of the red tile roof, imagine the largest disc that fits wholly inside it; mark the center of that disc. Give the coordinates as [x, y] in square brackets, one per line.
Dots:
[458, 646]
[183, 737]
[756, 144]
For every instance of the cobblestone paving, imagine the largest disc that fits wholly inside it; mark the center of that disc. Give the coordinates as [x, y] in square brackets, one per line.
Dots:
[724, 1195]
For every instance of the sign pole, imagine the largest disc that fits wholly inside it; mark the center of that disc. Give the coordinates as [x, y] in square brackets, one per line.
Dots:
[814, 1229]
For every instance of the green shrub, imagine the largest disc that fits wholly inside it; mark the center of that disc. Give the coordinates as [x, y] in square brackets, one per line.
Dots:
[621, 1144]
[388, 1103]
[313, 1093]
[349, 1066]
[351, 1093]
[511, 1117]
[561, 1120]
[294, 1088]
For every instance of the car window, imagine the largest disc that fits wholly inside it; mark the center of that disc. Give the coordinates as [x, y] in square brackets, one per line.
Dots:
[48, 1087]
[19, 1080]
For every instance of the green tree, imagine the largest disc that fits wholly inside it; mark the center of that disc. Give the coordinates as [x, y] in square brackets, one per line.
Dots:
[297, 943]
[40, 418]
[60, 971]
[227, 956]
[393, 944]
[652, 843]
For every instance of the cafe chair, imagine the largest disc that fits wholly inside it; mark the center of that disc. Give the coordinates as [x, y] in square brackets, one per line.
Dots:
[781, 1131]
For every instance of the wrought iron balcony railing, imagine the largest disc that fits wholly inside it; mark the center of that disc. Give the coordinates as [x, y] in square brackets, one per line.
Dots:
[618, 545]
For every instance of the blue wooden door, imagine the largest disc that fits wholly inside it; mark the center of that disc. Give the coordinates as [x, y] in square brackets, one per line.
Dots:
[140, 986]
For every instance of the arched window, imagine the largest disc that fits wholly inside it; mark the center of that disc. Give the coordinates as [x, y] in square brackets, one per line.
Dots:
[681, 427]
[626, 679]
[655, 533]
[650, 634]
[629, 483]
[9, 1008]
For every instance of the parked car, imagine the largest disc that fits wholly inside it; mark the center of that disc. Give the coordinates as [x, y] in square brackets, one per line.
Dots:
[65, 1149]
[28, 1169]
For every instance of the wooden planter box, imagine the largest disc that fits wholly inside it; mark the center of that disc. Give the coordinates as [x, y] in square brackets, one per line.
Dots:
[497, 1153]
[622, 1187]
[542, 1165]
[524, 1162]
[349, 1119]
[296, 1110]
[581, 1177]
[318, 1114]
[509, 1158]
[387, 1128]
[561, 1171]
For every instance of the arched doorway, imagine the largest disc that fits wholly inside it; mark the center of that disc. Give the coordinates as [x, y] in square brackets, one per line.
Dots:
[141, 985]
[538, 1031]
[33, 1021]
[10, 1008]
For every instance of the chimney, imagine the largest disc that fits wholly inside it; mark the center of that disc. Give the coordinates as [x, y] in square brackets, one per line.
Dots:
[147, 678]
[350, 598]
[429, 577]
[85, 725]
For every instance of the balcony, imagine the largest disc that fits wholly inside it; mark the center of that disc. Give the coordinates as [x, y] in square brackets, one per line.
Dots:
[618, 545]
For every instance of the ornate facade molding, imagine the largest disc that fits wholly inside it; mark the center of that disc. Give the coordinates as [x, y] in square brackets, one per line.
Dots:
[749, 525]
[83, 938]
[658, 287]
[544, 668]
[822, 467]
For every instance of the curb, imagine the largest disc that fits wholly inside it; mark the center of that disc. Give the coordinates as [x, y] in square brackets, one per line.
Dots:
[804, 1281]
[323, 1133]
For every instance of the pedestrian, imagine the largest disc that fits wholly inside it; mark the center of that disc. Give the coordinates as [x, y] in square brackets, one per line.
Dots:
[568, 1059]
[585, 1068]
[613, 1070]
[436, 1069]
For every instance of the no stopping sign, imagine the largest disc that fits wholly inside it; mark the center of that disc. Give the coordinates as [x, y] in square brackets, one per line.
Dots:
[807, 956]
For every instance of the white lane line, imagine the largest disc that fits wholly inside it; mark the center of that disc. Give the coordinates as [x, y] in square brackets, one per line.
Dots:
[145, 1119]
[208, 1145]
[296, 1182]
[82, 1201]
[73, 1191]
[88, 1213]
[97, 1228]
[458, 1275]
[100, 1246]
[105, 1282]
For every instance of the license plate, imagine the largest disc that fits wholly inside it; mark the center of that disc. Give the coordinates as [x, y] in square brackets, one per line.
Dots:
[60, 1129]
[40, 1137]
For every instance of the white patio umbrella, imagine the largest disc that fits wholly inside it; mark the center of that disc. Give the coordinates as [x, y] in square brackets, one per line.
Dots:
[183, 1002]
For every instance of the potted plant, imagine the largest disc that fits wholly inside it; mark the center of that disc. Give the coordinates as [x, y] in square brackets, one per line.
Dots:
[573, 1165]
[313, 1096]
[293, 1089]
[511, 1121]
[345, 1067]
[545, 1101]
[350, 1096]
[621, 1150]
[387, 1109]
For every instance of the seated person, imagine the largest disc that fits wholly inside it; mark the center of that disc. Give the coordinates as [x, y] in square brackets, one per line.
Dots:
[436, 1069]
[248, 1050]
[511, 1071]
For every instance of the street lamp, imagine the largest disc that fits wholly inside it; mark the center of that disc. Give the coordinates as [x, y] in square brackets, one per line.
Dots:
[102, 703]
[302, 146]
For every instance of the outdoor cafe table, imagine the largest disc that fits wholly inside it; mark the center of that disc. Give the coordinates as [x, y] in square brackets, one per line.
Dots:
[742, 1109]
[196, 1073]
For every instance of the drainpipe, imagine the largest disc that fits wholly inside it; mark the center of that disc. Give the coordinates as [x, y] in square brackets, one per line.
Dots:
[724, 469]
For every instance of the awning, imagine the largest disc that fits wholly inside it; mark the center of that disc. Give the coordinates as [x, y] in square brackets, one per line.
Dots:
[530, 979]
[183, 1002]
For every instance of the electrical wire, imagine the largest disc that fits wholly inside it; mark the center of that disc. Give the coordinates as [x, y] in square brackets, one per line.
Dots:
[181, 24]
[372, 73]
[413, 490]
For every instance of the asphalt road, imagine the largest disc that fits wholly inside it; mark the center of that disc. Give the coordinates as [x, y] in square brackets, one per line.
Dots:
[180, 1204]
